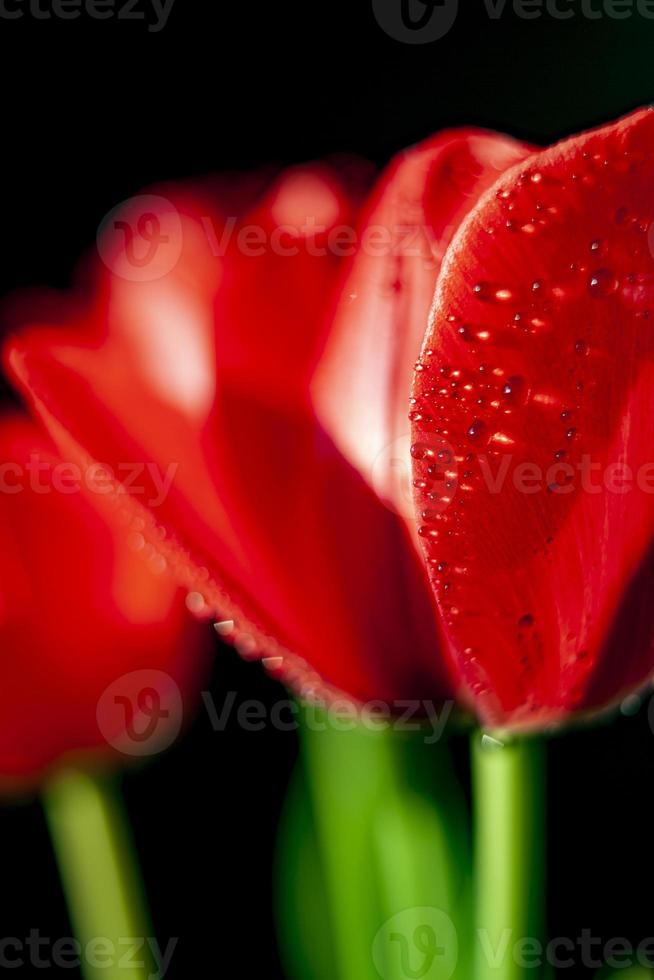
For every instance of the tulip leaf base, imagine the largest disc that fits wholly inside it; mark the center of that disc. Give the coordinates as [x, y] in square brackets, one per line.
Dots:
[103, 893]
[508, 795]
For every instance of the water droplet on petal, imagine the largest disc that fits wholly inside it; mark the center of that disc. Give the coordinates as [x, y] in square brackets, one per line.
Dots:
[246, 646]
[477, 431]
[602, 283]
[421, 450]
[513, 388]
[195, 603]
[487, 292]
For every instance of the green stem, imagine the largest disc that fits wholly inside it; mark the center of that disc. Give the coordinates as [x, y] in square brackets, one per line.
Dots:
[94, 853]
[508, 792]
[344, 781]
[388, 822]
[423, 862]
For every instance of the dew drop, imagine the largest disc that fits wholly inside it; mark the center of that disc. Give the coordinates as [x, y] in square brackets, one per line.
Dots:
[224, 627]
[602, 283]
[476, 431]
[195, 602]
[581, 348]
[513, 387]
[246, 646]
[489, 293]
[158, 564]
[421, 450]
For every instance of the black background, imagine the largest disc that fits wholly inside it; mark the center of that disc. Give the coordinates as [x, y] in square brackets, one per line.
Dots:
[92, 111]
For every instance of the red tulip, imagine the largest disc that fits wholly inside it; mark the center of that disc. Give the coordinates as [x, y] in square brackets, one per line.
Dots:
[537, 368]
[279, 385]
[96, 645]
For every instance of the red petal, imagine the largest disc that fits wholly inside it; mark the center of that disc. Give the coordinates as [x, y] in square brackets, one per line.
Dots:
[362, 384]
[282, 535]
[540, 352]
[80, 610]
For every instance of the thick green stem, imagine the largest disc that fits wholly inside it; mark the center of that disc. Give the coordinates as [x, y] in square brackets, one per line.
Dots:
[508, 794]
[91, 842]
[344, 780]
[388, 821]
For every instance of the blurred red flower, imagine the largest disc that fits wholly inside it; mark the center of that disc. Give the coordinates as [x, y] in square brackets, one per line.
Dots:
[97, 651]
[264, 351]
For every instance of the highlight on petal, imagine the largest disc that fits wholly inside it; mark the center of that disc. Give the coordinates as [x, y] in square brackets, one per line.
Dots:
[536, 376]
[362, 381]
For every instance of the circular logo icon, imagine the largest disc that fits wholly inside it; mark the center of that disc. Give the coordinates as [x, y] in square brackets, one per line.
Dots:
[416, 944]
[392, 477]
[415, 21]
[141, 712]
[141, 238]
